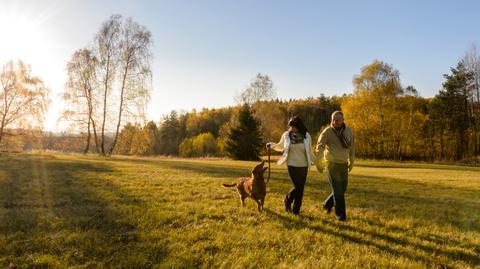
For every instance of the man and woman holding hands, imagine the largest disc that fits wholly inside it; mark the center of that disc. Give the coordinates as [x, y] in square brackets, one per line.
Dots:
[335, 145]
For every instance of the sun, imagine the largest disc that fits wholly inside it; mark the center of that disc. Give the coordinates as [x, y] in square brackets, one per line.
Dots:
[26, 35]
[19, 35]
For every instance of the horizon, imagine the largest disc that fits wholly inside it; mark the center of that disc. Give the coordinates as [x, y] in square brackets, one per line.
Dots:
[205, 53]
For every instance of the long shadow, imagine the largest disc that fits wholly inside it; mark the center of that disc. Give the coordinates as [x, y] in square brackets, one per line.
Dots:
[280, 183]
[419, 166]
[327, 227]
[404, 197]
[414, 183]
[403, 241]
[402, 202]
[227, 173]
[70, 200]
[216, 170]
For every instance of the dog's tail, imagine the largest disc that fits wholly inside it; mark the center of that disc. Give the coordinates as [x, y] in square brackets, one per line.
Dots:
[230, 185]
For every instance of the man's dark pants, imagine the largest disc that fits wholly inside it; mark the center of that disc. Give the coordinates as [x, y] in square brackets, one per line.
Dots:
[338, 178]
[298, 175]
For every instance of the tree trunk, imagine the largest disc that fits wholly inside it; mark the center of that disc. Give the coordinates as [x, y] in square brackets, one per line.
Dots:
[382, 134]
[95, 137]
[124, 78]
[4, 116]
[477, 120]
[1, 133]
[442, 148]
[90, 116]
[102, 142]
[87, 147]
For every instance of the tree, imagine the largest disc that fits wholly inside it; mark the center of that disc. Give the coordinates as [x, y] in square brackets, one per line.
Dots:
[380, 83]
[123, 49]
[272, 119]
[134, 61]
[244, 139]
[168, 134]
[106, 47]
[81, 93]
[202, 145]
[150, 139]
[471, 61]
[260, 89]
[455, 96]
[126, 139]
[23, 97]
[206, 121]
[185, 148]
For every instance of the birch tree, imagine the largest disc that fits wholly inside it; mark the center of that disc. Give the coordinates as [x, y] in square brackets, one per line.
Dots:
[260, 89]
[123, 49]
[24, 99]
[82, 94]
[134, 72]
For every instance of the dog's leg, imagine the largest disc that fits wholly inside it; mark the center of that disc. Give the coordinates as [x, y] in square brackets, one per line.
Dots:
[260, 208]
[262, 201]
[242, 198]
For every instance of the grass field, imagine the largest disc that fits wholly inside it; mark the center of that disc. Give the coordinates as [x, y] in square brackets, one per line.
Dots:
[60, 211]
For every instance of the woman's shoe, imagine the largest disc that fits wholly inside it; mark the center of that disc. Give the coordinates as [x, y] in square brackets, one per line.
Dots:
[288, 206]
[327, 210]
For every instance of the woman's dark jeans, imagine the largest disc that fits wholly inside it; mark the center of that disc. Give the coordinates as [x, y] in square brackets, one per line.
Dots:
[338, 178]
[298, 175]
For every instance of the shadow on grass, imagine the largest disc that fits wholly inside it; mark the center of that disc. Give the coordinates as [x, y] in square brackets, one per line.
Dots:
[216, 170]
[67, 209]
[417, 166]
[393, 246]
[375, 189]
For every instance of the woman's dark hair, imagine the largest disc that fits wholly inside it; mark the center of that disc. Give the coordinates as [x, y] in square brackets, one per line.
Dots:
[297, 122]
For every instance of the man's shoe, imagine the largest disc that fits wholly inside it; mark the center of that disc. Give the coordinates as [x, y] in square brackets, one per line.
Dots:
[327, 210]
[342, 218]
[288, 206]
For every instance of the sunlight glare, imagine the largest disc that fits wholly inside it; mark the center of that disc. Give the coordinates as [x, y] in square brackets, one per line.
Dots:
[20, 37]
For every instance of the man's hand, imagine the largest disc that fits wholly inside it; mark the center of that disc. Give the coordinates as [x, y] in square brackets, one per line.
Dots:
[320, 167]
[350, 167]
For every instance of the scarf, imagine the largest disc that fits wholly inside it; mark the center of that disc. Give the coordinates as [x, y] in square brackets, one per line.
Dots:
[339, 132]
[296, 137]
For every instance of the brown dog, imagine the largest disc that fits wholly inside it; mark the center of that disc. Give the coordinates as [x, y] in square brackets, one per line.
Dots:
[253, 187]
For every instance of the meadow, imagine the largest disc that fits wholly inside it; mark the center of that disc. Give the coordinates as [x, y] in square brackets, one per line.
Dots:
[62, 210]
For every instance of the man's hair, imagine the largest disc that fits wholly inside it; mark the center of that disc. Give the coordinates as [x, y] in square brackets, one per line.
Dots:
[338, 112]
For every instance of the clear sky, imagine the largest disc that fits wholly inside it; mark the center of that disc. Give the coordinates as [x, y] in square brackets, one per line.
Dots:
[206, 51]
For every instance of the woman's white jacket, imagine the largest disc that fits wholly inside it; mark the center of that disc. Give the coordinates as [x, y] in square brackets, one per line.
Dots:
[284, 145]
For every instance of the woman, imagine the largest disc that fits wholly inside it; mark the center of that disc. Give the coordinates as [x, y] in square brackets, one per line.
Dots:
[297, 153]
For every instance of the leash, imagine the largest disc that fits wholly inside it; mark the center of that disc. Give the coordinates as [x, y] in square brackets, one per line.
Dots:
[268, 154]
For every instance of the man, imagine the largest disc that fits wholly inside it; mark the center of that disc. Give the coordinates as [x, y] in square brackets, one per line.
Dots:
[336, 145]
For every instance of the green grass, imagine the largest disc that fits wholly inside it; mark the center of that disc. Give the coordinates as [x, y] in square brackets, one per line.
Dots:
[60, 211]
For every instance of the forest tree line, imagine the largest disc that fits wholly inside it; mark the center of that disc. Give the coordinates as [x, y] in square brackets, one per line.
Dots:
[109, 83]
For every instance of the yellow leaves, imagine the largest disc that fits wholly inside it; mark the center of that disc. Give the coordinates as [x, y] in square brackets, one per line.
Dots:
[202, 145]
[25, 98]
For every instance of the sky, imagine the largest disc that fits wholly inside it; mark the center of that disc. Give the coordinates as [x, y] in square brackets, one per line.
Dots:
[207, 51]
